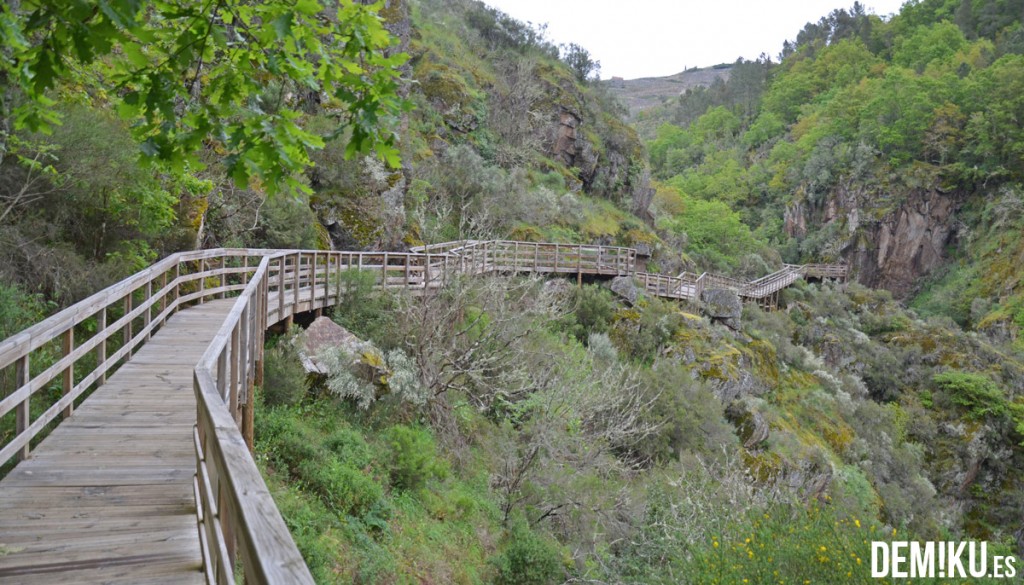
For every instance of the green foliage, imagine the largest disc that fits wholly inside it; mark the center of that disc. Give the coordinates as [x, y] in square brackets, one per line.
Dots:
[928, 44]
[641, 333]
[218, 60]
[583, 66]
[362, 308]
[343, 489]
[594, 312]
[284, 379]
[527, 559]
[414, 458]
[19, 310]
[713, 231]
[976, 393]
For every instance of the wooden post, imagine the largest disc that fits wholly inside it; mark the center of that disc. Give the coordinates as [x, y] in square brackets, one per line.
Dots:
[101, 347]
[426, 274]
[579, 266]
[256, 339]
[68, 382]
[147, 316]
[233, 363]
[222, 373]
[226, 527]
[22, 414]
[223, 276]
[327, 278]
[555, 270]
[296, 284]
[128, 325]
[177, 285]
[312, 285]
[163, 293]
[384, 271]
[202, 279]
[337, 277]
[280, 287]
[408, 283]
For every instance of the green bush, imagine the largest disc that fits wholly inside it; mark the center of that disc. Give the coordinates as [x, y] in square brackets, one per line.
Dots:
[413, 457]
[594, 311]
[286, 439]
[350, 447]
[641, 333]
[978, 394]
[18, 310]
[284, 379]
[342, 488]
[528, 559]
[364, 310]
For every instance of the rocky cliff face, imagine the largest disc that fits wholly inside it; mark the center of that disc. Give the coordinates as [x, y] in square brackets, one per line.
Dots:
[894, 252]
[907, 244]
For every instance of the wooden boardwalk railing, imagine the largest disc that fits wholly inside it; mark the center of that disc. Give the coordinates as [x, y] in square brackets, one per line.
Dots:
[238, 528]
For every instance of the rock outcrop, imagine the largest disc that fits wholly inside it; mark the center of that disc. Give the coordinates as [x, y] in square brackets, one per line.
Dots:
[723, 305]
[625, 287]
[907, 241]
[907, 244]
[324, 335]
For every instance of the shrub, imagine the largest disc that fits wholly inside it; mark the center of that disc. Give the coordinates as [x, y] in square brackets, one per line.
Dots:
[975, 392]
[528, 559]
[350, 447]
[286, 439]
[643, 334]
[594, 311]
[362, 309]
[342, 488]
[284, 379]
[18, 310]
[413, 457]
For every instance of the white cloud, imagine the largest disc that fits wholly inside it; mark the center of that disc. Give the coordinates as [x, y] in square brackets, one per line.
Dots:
[644, 38]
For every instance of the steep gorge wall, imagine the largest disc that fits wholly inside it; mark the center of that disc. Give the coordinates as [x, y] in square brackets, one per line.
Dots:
[890, 248]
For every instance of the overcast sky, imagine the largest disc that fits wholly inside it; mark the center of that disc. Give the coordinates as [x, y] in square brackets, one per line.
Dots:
[645, 38]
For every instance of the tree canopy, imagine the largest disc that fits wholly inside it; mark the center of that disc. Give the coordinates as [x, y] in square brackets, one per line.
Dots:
[232, 75]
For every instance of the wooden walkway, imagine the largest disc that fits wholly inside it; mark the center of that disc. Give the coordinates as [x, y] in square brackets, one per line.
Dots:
[108, 496]
[150, 479]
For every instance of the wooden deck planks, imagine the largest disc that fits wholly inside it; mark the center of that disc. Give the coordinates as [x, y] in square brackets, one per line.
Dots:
[108, 497]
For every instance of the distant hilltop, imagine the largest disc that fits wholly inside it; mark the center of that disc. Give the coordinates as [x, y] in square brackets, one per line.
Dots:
[643, 93]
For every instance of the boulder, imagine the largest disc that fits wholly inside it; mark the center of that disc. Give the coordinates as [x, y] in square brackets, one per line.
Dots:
[736, 386]
[626, 287]
[559, 287]
[723, 305]
[751, 426]
[324, 335]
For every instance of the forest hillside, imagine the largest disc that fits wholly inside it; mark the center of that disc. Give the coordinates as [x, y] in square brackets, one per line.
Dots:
[518, 430]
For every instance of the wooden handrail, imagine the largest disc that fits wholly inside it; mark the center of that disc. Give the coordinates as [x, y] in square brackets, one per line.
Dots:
[235, 512]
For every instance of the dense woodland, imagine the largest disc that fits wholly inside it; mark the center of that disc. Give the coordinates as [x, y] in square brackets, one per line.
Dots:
[512, 430]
